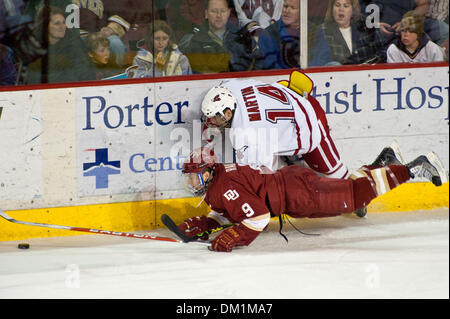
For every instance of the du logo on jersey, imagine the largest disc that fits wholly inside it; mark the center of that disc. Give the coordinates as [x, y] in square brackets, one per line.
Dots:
[231, 194]
[101, 168]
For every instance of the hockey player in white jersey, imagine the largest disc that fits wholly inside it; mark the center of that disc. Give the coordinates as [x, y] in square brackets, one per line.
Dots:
[266, 121]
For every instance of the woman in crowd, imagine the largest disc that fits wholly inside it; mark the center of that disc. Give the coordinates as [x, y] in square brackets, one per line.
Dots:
[344, 38]
[66, 59]
[158, 54]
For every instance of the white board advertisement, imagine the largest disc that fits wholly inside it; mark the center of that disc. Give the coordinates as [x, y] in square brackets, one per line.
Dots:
[123, 142]
[20, 147]
[126, 137]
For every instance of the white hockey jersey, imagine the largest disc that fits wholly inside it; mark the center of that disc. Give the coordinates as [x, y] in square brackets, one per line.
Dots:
[261, 11]
[270, 120]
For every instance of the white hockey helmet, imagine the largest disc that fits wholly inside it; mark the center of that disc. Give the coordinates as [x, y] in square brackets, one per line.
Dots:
[217, 100]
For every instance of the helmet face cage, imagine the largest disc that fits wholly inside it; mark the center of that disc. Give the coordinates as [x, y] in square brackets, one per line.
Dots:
[192, 173]
[209, 123]
[194, 183]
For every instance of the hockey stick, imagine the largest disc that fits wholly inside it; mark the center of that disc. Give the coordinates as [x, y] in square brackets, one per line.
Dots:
[96, 231]
[170, 224]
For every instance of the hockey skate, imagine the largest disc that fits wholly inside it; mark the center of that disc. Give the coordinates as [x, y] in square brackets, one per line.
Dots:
[390, 155]
[429, 167]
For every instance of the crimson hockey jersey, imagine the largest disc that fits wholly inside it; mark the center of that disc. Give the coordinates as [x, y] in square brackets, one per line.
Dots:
[238, 194]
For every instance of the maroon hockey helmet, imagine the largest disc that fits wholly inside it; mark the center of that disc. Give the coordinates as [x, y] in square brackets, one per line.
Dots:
[200, 159]
[194, 167]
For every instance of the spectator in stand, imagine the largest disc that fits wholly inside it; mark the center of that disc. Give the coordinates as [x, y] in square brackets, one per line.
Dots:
[96, 14]
[90, 14]
[393, 11]
[8, 68]
[99, 52]
[16, 32]
[218, 46]
[344, 37]
[279, 44]
[114, 31]
[438, 10]
[185, 15]
[159, 55]
[18, 44]
[413, 45]
[66, 59]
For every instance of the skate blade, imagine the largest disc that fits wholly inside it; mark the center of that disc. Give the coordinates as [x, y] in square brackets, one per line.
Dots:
[396, 148]
[436, 162]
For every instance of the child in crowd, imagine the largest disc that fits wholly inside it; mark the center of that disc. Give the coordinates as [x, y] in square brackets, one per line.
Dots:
[115, 31]
[99, 53]
[413, 44]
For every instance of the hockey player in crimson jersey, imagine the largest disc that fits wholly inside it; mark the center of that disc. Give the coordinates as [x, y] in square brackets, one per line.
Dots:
[270, 120]
[247, 198]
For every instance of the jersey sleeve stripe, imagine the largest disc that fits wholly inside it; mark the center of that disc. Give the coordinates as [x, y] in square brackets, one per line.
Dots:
[218, 218]
[257, 223]
[308, 121]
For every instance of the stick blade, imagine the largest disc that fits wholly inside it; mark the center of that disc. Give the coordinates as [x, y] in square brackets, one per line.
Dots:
[170, 224]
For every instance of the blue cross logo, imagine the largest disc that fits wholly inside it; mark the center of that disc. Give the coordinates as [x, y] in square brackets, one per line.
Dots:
[101, 168]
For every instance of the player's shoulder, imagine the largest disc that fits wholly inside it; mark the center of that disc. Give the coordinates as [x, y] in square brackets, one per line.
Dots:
[228, 173]
[232, 173]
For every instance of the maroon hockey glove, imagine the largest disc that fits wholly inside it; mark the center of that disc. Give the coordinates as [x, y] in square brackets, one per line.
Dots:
[238, 235]
[197, 225]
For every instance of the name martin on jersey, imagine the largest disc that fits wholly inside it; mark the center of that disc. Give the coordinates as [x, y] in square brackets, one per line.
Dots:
[251, 103]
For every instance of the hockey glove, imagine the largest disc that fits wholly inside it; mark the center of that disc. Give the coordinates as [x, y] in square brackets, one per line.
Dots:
[238, 235]
[197, 225]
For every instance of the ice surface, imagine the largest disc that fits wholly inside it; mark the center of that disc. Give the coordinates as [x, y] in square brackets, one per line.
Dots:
[387, 255]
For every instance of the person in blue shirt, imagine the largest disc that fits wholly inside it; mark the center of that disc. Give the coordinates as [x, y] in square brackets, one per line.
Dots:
[279, 45]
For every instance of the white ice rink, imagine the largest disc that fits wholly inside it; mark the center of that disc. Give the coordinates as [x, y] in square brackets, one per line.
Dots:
[389, 255]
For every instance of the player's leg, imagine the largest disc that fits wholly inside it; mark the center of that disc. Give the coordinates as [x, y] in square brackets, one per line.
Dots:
[381, 180]
[390, 155]
[325, 159]
[332, 197]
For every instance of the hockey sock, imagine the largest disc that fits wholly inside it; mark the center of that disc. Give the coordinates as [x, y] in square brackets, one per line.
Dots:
[371, 183]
